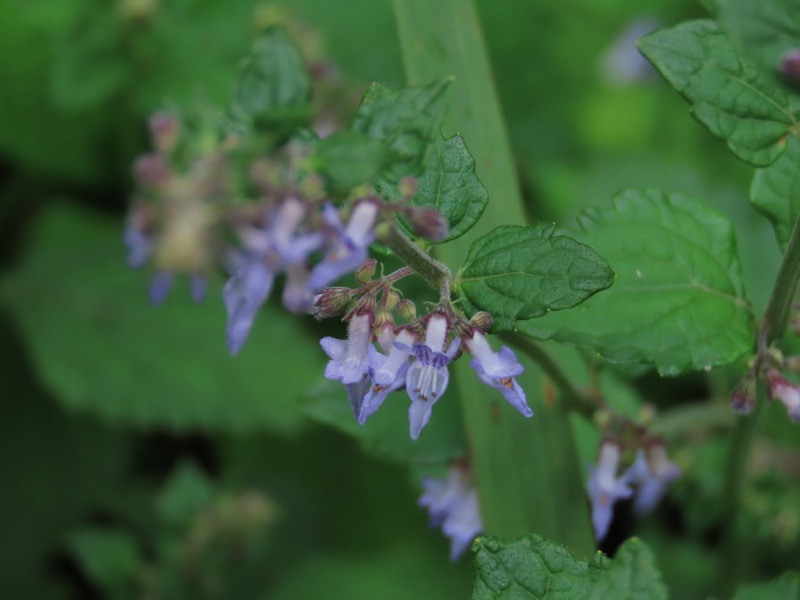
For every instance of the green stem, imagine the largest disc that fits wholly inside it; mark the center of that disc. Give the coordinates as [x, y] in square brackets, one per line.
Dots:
[780, 302]
[431, 270]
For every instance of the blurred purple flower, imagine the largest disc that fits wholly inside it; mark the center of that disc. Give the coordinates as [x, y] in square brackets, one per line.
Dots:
[350, 358]
[605, 488]
[651, 472]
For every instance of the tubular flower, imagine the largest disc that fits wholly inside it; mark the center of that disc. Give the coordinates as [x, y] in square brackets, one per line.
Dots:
[453, 504]
[498, 369]
[652, 472]
[605, 488]
[388, 373]
[427, 377]
[350, 358]
[787, 392]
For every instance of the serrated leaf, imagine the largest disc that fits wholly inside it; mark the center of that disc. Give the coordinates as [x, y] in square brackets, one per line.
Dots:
[348, 158]
[533, 567]
[385, 434]
[764, 31]
[631, 575]
[102, 348]
[273, 88]
[678, 302]
[449, 184]
[776, 191]
[786, 587]
[730, 97]
[520, 272]
[407, 121]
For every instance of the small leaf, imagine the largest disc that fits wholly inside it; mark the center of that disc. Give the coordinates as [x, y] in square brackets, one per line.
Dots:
[348, 158]
[776, 191]
[517, 273]
[407, 121]
[533, 567]
[786, 587]
[103, 348]
[732, 99]
[678, 301]
[631, 575]
[273, 88]
[449, 184]
[385, 434]
[109, 558]
[186, 492]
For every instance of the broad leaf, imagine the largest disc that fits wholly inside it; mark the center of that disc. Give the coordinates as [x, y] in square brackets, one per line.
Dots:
[731, 98]
[786, 587]
[348, 158]
[101, 347]
[678, 301]
[520, 272]
[449, 184]
[273, 88]
[533, 567]
[385, 434]
[408, 121]
[776, 191]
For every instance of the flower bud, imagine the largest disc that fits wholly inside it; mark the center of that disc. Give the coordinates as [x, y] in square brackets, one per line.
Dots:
[743, 397]
[784, 390]
[790, 66]
[391, 300]
[365, 272]
[407, 309]
[482, 320]
[151, 171]
[164, 129]
[331, 302]
[383, 320]
[408, 186]
[792, 364]
[426, 222]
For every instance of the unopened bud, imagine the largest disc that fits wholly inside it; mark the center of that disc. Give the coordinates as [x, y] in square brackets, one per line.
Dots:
[407, 309]
[331, 302]
[151, 170]
[482, 320]
[784, 390]
[426, 222]
[408, 186]
[383, 319]
[365, 272]
[392, 298]
[164, 129]
[792, 364]
[790, 66]
[743, 397]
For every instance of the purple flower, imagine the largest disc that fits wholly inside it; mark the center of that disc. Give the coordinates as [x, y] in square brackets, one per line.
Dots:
[784, 390]
[160, 286]
[351, 246]
[140, 246]
[243, 294]
[453, 504]
[350, 358]
[388, 373]
[651, 472]
[292, 247]
[297, 298]
[427, 377]
[498, 369]
[605, 488]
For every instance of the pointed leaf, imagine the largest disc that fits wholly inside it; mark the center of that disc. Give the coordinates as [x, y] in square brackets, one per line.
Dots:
[348, 158]
[520, 272]
[678, 302]
[631, 575]
[786, 587]
[730, 97]
[776, 191]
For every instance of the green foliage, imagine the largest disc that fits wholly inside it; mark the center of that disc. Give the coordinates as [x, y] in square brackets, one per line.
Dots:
[407, 121]
[517, 273]
[678, 302]
[728, 95]
[273, 88]
[533, 567]
[786, 587]
[776, 191]
[172, 370]
[348, 158]
[449, 184]
[110, 559]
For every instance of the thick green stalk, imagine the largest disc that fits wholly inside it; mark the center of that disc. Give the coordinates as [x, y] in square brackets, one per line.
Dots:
[780, 301]
[526, 469]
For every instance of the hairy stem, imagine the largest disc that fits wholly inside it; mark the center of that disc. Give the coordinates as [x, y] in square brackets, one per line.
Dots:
[431, 270]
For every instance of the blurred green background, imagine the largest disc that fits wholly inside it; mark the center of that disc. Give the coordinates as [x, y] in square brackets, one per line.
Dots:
[138, 459]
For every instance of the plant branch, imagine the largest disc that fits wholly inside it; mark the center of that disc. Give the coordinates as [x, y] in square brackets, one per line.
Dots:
[431, 270]
[780, 302]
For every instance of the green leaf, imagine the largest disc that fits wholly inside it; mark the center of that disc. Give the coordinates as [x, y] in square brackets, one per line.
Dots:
[385, 434]
[408, 121]
[104, 349]
[631, 575]
[348, 158]
[731, 98]
[449, 184]
[786, 587]
[533, 567]
[764, 31]
[186, 492]
[678, 302]
[109, 558]
[519, 272]
[273, 88]
[776, 191]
